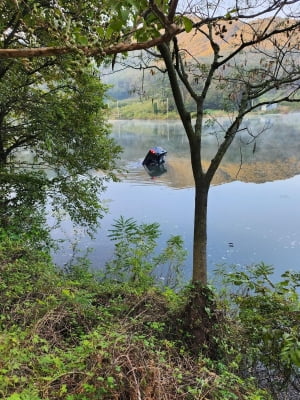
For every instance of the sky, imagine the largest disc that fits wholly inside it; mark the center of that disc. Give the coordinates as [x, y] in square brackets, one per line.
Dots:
[221, 7]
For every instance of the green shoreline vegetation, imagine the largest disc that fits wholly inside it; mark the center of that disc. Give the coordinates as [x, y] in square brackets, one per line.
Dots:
[133, 108]
[119, 334]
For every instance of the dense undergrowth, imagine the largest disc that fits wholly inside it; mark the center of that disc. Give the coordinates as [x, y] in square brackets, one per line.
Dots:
[74, 335]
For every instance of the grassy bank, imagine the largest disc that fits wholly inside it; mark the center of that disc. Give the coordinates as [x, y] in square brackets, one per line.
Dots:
[73, 335]
[145, 109]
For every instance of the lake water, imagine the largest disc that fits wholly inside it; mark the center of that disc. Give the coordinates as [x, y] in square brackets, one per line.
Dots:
[253, 212]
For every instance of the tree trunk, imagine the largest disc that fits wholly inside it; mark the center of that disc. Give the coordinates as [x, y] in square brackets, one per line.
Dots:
[200, 234]
[200, 178]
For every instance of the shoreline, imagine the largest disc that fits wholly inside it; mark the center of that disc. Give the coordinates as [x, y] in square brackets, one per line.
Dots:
[221, 115]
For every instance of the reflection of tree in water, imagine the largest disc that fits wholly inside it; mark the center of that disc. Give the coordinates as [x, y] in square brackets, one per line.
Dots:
[272, 156]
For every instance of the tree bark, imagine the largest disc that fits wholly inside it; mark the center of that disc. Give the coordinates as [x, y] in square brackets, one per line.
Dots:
[200, 234]
[201, 183]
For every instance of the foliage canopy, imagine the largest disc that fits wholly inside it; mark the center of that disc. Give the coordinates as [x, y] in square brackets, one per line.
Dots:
[54, 143]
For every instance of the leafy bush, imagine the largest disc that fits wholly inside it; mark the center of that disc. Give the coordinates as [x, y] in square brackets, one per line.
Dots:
[67, 335]
[267, 326]
[135, 260]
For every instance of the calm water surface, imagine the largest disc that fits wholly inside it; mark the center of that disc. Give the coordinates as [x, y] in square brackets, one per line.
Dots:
[253, 212]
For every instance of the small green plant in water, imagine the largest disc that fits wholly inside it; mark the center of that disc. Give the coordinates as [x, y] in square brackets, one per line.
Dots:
[135, 260]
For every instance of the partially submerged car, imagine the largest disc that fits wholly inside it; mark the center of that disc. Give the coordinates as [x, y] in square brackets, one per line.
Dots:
[155, 156]
[155, 170]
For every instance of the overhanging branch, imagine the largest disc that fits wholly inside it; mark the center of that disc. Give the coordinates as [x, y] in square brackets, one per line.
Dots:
[90, 51]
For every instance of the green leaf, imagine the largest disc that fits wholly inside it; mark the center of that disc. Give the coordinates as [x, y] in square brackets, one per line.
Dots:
[116, 24]
[188, 24]
[14, 396]
[295, 356]
[82, 40]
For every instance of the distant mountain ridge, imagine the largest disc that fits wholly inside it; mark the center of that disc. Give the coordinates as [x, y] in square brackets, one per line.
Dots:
[228, 34]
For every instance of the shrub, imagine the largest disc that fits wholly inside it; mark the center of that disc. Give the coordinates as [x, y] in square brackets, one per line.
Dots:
[266, 329]
[67, 335]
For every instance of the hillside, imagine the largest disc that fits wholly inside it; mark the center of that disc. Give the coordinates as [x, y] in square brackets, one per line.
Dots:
[230, 34]
[136, 83]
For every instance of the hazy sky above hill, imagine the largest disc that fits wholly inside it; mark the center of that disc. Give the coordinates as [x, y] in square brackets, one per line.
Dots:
[201, 5]
[221, 7]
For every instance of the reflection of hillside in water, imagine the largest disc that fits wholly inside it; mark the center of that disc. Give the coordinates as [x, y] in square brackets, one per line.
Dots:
[257, 172]
[274, 156]
[179, 172]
